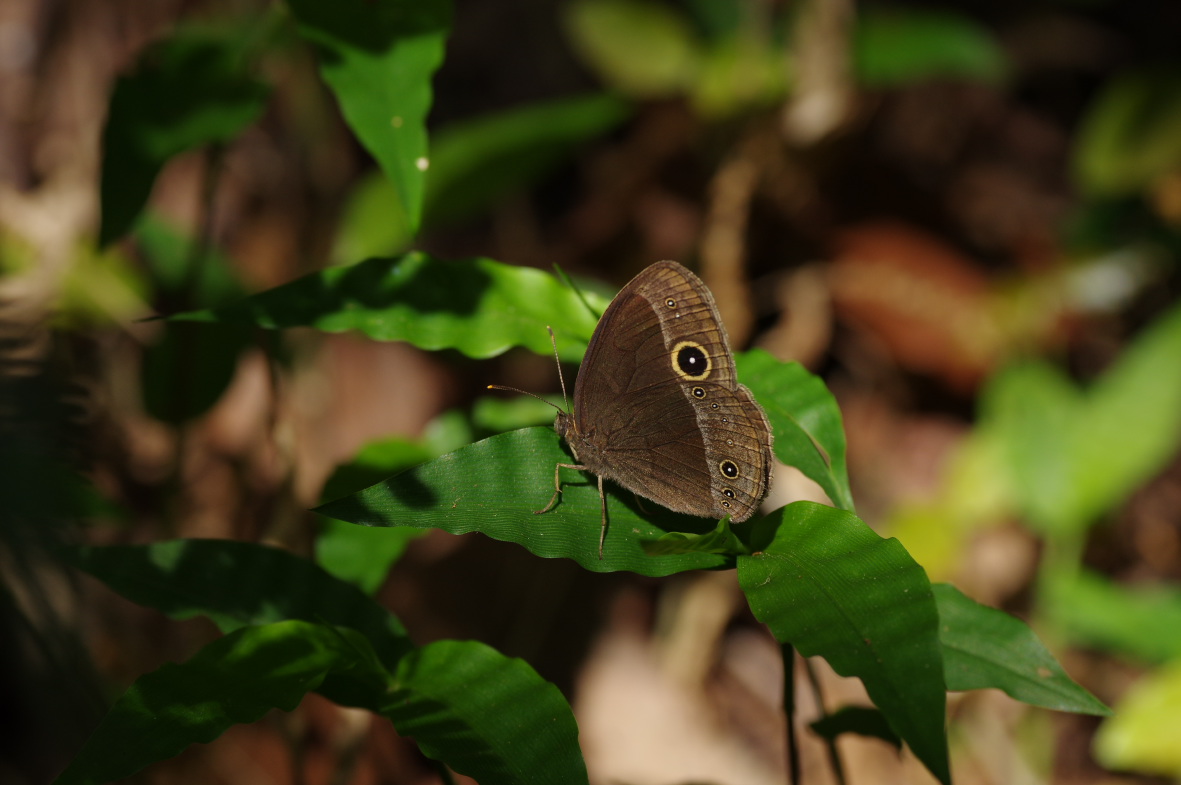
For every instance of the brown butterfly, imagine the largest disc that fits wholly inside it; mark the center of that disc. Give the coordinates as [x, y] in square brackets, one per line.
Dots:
[658, 408]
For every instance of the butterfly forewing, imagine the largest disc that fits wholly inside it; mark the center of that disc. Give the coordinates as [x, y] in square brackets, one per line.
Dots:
[657, 407]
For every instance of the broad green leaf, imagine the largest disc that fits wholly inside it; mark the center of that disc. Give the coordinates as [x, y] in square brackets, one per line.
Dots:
[984, 647]
[1131, 135]
[826, 583]
[237, 584]
[379, 58]
[495, 486]
[372, 463]
[896, 47]
[236, 679]
[1075, 454]
[1142, 736]
[191, 89]
[856, 719]
[485, 715]
[642, 48]
[358, 554]
[361, 555]
[477, 306]
[1141, 621]
[805, 419]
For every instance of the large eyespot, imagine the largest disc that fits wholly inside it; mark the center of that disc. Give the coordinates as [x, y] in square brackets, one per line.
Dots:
[729, 469]
[690, 361]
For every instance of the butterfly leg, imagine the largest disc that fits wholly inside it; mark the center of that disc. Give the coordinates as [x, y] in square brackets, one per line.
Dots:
[603, 529]
[558, 485]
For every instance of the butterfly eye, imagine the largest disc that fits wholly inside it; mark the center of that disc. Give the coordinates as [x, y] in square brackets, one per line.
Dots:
[690, 361]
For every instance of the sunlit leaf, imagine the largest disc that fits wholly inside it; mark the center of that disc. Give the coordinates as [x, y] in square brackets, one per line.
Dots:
[379, 58]
[479, 307]
[495, 486]
[826, 583]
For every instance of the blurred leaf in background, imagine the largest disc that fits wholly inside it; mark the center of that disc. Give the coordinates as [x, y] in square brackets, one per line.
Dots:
[1130, 139]
[473, 163]
[190, 89]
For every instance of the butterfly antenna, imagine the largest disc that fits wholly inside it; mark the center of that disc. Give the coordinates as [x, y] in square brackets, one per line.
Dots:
[558, 360]
[524, 392]
[582, 297]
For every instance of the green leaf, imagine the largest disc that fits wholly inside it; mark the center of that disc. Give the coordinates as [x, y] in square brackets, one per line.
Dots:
[805, 418]
[860, 720]
[378, 58]
[721, 540]
[486, 715]
[207, 280]
[494, 486]
[479, 307]
[827, 584]
[984, 647]
[480, 159]
[1073, 455]
[1143, 621]
[360, 555]
[474, 162]
[1142, 736]
[1131, 135]
[641, 48]
[237, 584]
[357, 554]
[188, 90]
[188, 367]
[499, 414]
[895, 47]
[236, 679]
